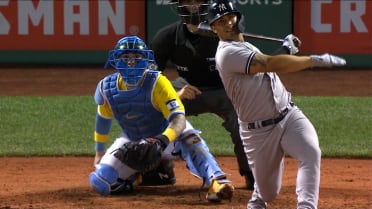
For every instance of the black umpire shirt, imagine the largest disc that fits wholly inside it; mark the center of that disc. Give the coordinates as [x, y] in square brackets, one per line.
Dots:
[192, 54]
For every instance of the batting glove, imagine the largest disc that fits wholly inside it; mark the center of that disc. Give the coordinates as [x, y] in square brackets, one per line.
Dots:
[292, 43]
[326, 60]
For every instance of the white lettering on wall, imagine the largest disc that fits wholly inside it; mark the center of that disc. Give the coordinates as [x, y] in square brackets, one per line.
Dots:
[258, 2]
[71, 17]
[43, 11]
[4, 23]
[348, 16]
[162, 2]
[106, 14]
[76, 17]
[316, 14]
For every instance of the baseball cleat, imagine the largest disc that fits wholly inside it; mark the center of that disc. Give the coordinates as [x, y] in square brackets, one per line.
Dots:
[137, 180]
[220, 189]
[256, 202]
[126, 186]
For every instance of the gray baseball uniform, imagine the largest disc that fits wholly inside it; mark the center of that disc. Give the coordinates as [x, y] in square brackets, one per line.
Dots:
[270, 125]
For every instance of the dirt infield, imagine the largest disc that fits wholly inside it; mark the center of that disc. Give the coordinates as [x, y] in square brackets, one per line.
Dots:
[61, 182]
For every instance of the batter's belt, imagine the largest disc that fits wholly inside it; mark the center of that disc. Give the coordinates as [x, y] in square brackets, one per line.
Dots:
[271, 121]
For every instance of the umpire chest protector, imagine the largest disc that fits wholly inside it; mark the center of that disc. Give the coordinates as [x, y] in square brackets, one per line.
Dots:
[133, 109]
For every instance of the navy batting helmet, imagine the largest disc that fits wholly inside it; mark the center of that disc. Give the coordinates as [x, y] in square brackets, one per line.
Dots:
[220, 8]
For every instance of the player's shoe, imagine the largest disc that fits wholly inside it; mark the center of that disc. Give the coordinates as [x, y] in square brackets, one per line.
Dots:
[162, 175]
[125, 186]
[256, 203]
[220, 189]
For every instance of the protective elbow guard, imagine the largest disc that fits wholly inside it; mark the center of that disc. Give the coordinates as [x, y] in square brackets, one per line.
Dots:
[102, 178]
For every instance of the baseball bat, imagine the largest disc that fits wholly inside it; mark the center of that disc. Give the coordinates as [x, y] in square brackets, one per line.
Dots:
[205, 29]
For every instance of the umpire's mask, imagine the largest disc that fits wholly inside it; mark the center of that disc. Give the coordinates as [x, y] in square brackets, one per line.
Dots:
[191, 11]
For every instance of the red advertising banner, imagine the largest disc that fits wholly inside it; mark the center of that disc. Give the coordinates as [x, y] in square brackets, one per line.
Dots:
[69, 25]
[334, 26]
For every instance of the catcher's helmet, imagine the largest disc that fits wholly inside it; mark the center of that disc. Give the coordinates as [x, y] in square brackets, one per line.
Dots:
[131, 74]
[220, 8]
[191, 11]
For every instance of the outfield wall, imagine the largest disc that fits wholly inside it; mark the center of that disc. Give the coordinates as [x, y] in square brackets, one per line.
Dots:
[81, 32]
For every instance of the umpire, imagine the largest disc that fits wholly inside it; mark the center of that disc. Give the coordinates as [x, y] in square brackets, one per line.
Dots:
[187, 59]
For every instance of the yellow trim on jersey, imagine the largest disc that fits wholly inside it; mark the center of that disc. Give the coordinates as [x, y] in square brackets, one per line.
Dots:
[164, 92]
[121, 83]
[105, 111]
[100, 137]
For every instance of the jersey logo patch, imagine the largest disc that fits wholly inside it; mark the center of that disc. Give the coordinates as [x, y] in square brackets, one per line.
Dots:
[172, 104]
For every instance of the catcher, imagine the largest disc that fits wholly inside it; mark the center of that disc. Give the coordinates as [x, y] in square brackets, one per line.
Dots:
[153, 123]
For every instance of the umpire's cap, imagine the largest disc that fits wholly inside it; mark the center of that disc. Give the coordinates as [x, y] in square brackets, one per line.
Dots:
[220, 8]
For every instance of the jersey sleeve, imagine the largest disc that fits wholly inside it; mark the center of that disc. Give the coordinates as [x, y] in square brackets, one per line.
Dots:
[103, 120]
[165, 98]
[236, 57]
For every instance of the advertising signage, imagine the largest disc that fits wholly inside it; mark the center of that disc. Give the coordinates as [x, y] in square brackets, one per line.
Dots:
[82, 31]
[68, 25]
[335, 26]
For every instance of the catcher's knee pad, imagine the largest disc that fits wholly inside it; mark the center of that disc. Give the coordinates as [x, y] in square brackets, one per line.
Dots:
[199, 160]
[102, 178]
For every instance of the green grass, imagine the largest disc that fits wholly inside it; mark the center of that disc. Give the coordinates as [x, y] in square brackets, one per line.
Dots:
[343, 124]
[58, 126]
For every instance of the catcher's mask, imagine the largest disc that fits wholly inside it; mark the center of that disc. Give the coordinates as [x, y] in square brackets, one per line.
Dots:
[131, 57]
[220, 8]
[191, 11]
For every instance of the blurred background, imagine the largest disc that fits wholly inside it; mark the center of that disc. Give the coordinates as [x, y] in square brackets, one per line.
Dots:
[81, 31]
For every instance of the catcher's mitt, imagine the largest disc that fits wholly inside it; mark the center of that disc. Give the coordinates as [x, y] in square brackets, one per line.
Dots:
[143, 155]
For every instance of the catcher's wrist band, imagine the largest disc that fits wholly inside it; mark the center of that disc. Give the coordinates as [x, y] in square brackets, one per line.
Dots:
[170, 133]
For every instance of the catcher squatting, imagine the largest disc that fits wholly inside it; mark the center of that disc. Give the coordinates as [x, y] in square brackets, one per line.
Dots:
[153, 123]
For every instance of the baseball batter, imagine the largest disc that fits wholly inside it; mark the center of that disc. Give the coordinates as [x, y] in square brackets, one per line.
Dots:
[270, 124]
